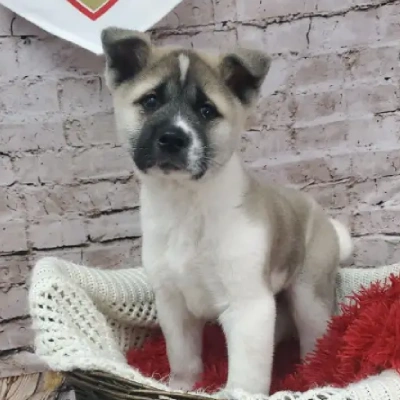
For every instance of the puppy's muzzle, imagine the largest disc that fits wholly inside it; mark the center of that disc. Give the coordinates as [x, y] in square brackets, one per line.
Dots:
[173, 141]
[172, 147]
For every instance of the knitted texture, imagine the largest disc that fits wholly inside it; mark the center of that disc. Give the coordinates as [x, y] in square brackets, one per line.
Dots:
[86, 319]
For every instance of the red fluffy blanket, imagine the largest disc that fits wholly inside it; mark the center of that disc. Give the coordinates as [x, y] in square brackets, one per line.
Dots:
[362, 341]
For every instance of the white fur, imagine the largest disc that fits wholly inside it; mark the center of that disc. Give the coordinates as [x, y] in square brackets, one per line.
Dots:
[195, 149]
[311, 317]
[183, 66]
[345, 241]
[196, 241]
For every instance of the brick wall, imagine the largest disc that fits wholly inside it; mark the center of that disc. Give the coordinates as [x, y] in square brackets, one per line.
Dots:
[328, 122]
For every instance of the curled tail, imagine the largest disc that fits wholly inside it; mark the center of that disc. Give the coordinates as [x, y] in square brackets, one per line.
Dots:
[345, 240]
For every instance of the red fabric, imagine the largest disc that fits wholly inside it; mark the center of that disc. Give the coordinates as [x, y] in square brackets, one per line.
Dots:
[364, 340]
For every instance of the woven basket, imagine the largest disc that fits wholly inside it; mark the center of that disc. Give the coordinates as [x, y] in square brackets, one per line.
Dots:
[104, 386]
[85, 320]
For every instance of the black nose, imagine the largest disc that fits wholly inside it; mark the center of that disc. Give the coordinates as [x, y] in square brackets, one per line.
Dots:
[173, 140]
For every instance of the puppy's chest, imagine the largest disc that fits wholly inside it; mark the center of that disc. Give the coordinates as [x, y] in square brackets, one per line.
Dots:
[195, 262]
[200, 251]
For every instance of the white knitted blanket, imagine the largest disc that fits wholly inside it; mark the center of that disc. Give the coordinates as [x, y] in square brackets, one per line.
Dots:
[87, 318]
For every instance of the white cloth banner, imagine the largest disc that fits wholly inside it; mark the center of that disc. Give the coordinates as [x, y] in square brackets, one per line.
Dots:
[81, 21]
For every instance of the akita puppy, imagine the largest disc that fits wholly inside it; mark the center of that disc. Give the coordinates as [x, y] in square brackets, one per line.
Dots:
[217, 244]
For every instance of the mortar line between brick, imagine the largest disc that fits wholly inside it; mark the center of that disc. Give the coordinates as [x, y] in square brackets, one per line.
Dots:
[10, 352]
[14, 319]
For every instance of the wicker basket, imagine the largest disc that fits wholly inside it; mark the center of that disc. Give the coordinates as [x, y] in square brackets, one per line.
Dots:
[98, 385]
[86, 319]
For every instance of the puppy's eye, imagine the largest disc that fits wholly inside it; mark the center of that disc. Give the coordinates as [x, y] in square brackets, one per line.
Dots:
[150, 102]
[208, 111]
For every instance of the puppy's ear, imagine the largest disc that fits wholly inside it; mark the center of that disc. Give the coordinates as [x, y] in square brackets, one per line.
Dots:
[244, 71]
[127, 53]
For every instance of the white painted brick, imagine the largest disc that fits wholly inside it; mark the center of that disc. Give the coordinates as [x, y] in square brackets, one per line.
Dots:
[90, 130]
[73, 254]
[311, 106]
[51, 55]
[9, 64]
[278, 76]
[375, 164]
[374, 131]
[322, 68]
[282, 38]
[322, 136]
[384, 192]
[21, 363]
[329, 6]
[115, 255]
[26, 168]
[14, 270]
[376, 250]
[12, 236]
[7, 176]
[305, 168]
[49, 167]
[86, 199]
[371, 98]
[11, 202]
[31, 95]
[225, 10]
[276, 38]
[22, 27]
[333, 5]
[250, 34]
[256, 10]
[16, 334]
[114, 226]
[206, 39]
[389, 22]
[6, 17]
[14, 303]
[330, 195]
[83, 95]
[377, 221]
[170, 21]
[265, 143]
[350, 133]
[50, 232]
[273, 111]
[31, 134]
[188, 13]
[106, 163]
[372, 62]
[340, 32]
[222, 40]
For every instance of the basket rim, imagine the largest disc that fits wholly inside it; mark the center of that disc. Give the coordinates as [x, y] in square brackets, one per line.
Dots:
[114, 385]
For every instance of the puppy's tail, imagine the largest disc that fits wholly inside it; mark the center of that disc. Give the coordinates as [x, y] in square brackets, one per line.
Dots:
[345, 240]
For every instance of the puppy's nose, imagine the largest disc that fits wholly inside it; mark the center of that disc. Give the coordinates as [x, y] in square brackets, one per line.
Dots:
[173, 140]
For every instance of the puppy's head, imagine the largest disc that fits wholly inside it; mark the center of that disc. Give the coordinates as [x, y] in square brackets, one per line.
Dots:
[181, 112]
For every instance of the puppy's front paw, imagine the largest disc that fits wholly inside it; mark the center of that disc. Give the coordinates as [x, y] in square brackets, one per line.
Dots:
[180, 382]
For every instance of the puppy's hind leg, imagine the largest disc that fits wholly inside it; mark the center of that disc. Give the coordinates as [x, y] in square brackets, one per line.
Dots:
[312, 295]
[311, 312]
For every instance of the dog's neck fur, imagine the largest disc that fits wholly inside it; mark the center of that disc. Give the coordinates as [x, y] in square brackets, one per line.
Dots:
[216, 191]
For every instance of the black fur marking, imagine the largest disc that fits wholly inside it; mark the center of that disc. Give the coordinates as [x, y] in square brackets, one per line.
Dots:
[126, 58]
[238, 78]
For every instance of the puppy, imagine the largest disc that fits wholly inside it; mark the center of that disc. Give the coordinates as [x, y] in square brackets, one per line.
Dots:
[217, 245]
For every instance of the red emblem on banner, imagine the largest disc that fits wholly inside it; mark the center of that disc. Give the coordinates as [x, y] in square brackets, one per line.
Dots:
[93, 9]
